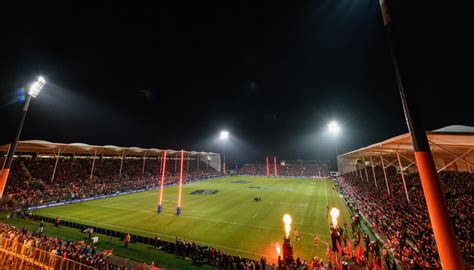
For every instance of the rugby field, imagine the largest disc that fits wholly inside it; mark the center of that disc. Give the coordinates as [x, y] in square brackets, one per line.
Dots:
[228, 219]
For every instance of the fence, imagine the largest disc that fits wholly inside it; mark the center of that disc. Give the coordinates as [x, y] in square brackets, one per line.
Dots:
[15, 255]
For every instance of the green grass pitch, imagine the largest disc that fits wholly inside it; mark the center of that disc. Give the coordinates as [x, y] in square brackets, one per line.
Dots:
[229, 219]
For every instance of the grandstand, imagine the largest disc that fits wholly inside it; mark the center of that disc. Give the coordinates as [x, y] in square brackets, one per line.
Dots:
[45, 171]
[382, 183]
[379, 184]
[294, 168]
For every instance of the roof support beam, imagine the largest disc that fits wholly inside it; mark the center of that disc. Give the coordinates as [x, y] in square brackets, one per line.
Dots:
[93, 165]
[121, 163]
[143, 166]
[403, 177]
[373, 171]
[389, 164]
[55, 165]
[365, 169]
[456, 159]
[385, 174]
[456, 156]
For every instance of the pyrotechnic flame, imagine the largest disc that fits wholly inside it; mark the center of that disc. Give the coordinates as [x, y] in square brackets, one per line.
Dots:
[334, 215]
[287, 221]
[278, 249]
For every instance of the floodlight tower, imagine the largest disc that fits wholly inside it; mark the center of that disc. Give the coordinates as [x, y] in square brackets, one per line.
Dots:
[334, 130]
[33, 91]
[224, 137]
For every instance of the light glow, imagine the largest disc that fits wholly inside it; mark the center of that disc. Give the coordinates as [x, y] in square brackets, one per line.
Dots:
[333, 127]
[181, 178]
[278, 249]
[287, 220]
[275, 166]
[224, 135]
[334, 215]
[36, 87]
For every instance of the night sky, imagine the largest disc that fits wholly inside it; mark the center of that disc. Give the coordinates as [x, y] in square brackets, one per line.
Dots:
[272, 73]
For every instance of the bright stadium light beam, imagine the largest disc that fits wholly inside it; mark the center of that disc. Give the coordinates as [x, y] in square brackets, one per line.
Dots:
[333, 127]
[33, 91]
[162, 184]
[334, 215]
[287, 220]
[36, 87]
[334, 130]
[178, 209]
[224, 135]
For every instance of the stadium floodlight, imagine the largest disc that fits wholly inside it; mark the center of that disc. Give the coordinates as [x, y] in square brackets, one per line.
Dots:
[224, 135]
[333, 127]
[36, 87]
[33, 91]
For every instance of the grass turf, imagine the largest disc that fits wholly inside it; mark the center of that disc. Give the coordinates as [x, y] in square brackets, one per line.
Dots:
[229, 219]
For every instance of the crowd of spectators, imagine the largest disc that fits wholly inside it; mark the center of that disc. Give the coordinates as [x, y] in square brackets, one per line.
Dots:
[31, 180]
[77, 251]
[406, 225]
[215, 257]
[297, 169]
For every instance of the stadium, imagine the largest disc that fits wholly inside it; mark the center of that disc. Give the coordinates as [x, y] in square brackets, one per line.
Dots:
[115, 191]
[305, 135]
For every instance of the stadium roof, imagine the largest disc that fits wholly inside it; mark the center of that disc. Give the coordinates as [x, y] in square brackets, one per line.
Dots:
[455, 142]
[45, 147]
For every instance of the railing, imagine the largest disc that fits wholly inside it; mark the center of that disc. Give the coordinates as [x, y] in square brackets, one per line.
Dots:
[15, 255]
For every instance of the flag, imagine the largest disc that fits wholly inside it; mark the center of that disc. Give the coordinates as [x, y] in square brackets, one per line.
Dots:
[339, 265]
[359, 253]
[330, 255]
[108, 252]
[348, 250]
[376, 265]
[339, 248]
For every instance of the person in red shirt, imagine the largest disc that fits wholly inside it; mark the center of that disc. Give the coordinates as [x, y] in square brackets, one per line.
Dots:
[314, 263]
[126, 240]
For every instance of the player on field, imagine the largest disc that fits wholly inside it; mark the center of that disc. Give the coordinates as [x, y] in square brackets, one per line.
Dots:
[297, 236]
[315, 241]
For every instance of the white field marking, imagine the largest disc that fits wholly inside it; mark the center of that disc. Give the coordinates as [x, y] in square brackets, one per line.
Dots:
[200, 218]
[254, 216]
[153, 233]
[302, 219]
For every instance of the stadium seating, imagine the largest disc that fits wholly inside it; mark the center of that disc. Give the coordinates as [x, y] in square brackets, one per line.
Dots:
[297, 169]
[406, 226]
[31, 180]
